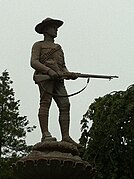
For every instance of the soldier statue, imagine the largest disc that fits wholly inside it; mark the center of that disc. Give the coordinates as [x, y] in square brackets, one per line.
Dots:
[47, 58]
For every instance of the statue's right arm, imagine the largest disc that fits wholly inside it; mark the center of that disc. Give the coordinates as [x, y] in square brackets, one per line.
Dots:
[35, 59]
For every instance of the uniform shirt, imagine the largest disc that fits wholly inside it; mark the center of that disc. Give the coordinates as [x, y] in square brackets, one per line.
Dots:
[47, 55]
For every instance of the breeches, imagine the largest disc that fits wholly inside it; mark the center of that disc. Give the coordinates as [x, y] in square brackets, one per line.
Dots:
[47, 90]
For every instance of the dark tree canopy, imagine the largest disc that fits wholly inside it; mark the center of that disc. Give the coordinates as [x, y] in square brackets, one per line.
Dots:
[13, 127]
[109, 143]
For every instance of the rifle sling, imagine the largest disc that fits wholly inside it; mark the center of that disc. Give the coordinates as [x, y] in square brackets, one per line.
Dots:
[50, 53]
[73, 94]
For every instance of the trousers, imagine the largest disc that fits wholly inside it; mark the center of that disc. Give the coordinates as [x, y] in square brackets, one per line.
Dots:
[47, 90]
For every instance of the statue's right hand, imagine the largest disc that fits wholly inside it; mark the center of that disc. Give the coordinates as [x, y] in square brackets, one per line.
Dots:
[52, 74]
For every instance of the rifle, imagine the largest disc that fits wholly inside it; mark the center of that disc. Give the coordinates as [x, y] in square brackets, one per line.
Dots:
[40, 77]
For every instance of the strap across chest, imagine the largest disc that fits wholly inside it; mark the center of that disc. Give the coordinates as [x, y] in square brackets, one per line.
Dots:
[52, 51]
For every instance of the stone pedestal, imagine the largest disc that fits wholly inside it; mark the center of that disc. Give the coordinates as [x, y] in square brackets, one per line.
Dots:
[53, 160]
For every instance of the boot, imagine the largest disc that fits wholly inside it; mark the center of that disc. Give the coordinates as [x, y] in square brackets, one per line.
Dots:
[46, 135]
[64, 125]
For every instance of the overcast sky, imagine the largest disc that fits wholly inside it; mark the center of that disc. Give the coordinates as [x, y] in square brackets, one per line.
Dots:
[97, 37]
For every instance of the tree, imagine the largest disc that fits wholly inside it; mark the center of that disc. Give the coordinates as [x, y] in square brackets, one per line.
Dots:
[13, 127]
[109, 143]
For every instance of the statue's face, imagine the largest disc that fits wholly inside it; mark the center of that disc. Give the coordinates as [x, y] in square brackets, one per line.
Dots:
[51, 30]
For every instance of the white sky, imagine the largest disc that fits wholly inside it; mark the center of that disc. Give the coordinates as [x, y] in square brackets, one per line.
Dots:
[97, 37]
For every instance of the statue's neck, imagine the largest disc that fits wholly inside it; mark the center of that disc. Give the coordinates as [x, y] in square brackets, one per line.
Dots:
[48, 38]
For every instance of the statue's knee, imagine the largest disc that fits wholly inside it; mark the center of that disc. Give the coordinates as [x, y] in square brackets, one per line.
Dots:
[44, 107]
[45, 103]
[65, 108]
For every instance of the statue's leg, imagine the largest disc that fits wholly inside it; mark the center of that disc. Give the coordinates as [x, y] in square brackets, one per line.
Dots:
[64, 113]
[43, 115]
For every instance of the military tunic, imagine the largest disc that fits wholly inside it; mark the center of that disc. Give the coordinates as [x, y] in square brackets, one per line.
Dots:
[47, 55]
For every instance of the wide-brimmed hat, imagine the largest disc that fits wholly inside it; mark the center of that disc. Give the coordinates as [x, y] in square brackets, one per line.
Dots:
[39, 28]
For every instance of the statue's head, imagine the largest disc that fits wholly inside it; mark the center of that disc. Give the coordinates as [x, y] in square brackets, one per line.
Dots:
[46, 23]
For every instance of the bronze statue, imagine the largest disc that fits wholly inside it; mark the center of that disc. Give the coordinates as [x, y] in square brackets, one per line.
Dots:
[47, 58]
[60, 157]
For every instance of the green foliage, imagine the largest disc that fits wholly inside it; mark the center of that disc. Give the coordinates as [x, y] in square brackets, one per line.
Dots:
[109, 143]
[6, 169]
[13, 128]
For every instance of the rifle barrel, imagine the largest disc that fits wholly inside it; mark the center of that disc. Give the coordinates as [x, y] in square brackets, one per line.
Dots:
[96, 76]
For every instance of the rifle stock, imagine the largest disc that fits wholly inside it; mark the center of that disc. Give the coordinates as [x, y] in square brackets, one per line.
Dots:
[39, 78]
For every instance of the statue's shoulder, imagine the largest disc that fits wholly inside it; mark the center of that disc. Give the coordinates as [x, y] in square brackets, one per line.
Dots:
[45, 46]
[38, 44]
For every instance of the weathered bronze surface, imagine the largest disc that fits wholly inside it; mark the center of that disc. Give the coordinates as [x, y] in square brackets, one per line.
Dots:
[47, 58]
